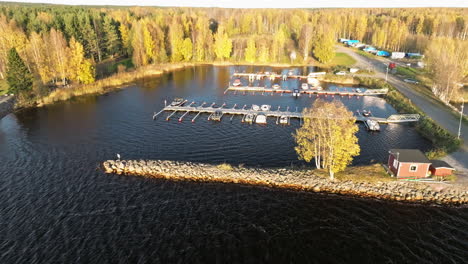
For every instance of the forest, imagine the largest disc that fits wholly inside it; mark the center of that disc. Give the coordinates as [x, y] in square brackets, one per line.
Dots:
[63, 45]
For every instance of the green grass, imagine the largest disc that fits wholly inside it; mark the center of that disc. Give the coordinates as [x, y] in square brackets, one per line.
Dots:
[343, 59]
[3, 87]
[368, 174]
[126, 62]
[408, 72]
[365, 54]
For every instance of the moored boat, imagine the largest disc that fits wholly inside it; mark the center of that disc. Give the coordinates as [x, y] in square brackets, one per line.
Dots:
[178, 102]
[237, 82]
[296, 93]
[276, 86]
[255, 107]
[313, 81]
[305, 86]
[261, 119]
[217, 115]
[372, 125]
[283, 120]
[249, 118]
[265, 107]
[366, 113]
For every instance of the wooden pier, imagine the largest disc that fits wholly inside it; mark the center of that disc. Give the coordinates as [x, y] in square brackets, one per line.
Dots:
[336, 91]
[244, 111]
[259, 76]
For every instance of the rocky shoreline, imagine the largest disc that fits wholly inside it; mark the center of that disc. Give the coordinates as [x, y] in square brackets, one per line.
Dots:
[303, 179]
[7, 104]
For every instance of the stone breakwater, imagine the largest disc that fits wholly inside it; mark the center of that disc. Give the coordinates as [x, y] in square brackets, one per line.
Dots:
[303, 179]
[7, 104]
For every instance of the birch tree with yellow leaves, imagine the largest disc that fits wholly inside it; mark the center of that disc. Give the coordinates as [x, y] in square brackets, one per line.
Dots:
[328, 136]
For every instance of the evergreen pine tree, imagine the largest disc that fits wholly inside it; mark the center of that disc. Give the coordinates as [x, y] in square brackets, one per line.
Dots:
[18, 76]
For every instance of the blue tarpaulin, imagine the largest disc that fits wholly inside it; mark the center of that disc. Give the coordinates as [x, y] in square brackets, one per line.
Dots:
[383, 53]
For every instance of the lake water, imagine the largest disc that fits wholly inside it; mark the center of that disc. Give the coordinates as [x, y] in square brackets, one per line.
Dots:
[58, 207]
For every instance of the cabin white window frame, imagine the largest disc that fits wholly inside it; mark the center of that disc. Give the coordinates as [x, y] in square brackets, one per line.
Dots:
[395, 163]
[415, 167]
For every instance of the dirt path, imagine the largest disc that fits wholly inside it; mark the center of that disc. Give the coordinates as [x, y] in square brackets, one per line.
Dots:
[434, 109]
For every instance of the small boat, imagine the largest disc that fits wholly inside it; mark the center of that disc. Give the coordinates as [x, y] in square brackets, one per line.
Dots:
[366, 113]
[358, 90]
[296, 93]
[255, 107]
[283, 120]
[305, 86]
[249, 118]
[291, 73]
[372, 125]
[237, 82]
[276, 86]
[177, 102]
[261, 119]
[313, 81]
[265, 107]
[217, 115]
[319, 88]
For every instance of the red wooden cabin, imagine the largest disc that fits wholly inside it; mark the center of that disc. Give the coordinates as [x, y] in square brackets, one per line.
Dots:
[408, 163]
[441, 168]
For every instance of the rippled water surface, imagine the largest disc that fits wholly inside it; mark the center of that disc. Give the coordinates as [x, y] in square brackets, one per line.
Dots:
[56, 206]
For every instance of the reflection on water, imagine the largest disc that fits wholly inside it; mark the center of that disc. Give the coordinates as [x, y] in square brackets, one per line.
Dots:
[57, 207]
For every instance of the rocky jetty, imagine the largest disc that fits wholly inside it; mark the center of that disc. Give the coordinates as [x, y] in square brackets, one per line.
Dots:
[303, 179]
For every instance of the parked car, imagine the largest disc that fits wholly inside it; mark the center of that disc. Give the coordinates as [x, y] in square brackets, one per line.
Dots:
[340, 73]
[413, 81]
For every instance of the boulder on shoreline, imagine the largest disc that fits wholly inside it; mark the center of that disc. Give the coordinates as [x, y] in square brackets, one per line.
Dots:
[303, 179]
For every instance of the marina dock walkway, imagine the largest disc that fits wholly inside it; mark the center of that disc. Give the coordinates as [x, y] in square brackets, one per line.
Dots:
[270, 113]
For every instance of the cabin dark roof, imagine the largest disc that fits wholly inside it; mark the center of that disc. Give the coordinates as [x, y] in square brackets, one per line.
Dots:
[440, 164]
[410, 155]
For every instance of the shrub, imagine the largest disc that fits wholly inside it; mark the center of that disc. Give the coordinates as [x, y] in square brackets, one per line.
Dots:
[225, 167]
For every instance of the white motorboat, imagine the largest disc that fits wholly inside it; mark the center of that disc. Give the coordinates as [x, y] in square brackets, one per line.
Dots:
[217, 115]
[255, 107]
[237, 82]
[261, 119]
[313, 81]
[276, 86]
[305, 86]
[366, 113]
[283, 120]
[372, 125]
[265, 107]
[177, 102]
[249, 118]
[296, 93]
[319, 88]
[291, 73]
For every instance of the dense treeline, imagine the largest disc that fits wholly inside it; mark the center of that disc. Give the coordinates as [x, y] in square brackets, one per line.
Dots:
[62, 44]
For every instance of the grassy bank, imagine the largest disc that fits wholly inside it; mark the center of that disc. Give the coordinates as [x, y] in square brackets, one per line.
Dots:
[408, 72]
[343, 59]
[110, 83]
[3, 87]
[443, 141]
[368, 173]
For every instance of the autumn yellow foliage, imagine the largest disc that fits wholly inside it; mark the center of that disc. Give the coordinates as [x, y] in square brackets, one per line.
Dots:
[328, 136]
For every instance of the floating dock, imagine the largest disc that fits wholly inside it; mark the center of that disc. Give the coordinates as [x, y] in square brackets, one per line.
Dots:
[278, 113]
[258, 76]
[336, 91]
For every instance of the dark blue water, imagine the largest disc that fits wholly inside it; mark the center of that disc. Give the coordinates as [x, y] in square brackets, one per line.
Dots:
[58, 207]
